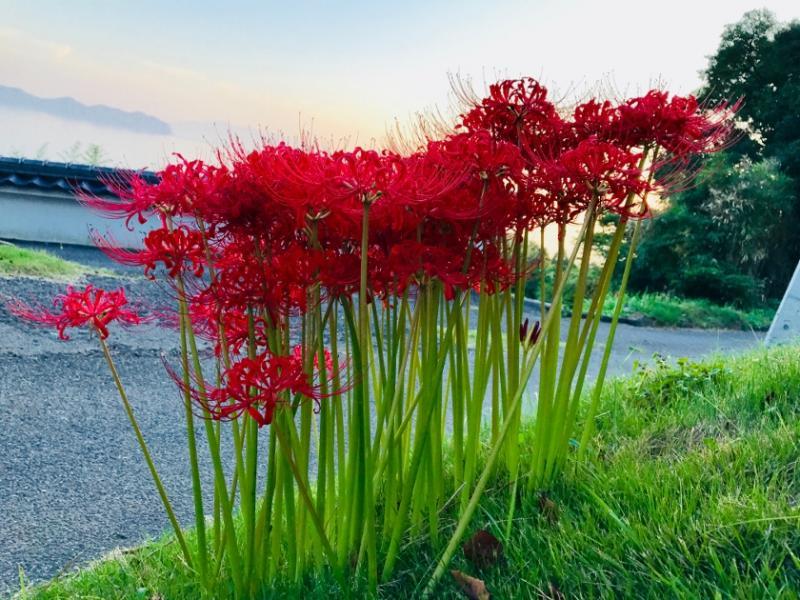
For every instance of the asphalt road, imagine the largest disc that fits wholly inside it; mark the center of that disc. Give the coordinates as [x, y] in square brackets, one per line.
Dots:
[72, 483]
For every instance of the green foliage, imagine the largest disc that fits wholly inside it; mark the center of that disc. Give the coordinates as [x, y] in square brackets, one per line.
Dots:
[694, 497]
[670, 310]
[94, 155]
[725, 238]
[91, 154]
[759, 60]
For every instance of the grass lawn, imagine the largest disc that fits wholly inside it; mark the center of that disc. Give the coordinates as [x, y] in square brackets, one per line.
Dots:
[692, 490]
[669, 311]
[16, 262]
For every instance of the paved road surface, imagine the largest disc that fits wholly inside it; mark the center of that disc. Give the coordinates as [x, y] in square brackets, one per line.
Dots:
[72, 483]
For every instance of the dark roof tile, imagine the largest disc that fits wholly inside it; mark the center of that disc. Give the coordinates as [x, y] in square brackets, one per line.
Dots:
[66, 177]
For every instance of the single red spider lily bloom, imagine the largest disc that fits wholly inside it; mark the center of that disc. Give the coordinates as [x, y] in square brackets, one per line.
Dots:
[91, 306]
[177, 249]
[297, 354]
[179, 189]
[515, 109]
[256, 386]
[679, 124]
[529, 338]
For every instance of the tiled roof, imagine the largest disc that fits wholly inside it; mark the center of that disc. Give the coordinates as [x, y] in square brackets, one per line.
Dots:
[59, 177]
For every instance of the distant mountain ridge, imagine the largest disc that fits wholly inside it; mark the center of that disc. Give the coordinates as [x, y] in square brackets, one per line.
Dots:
[71, 109]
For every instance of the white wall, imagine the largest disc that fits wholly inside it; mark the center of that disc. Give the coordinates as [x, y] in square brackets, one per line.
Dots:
[35, 216]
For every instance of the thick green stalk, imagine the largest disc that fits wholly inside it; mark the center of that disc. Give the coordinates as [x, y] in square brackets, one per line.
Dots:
[226, 501]
[559, 427]
[598, 386]
[466, 516]
[286, 446]
[428, 386]
[197, 490]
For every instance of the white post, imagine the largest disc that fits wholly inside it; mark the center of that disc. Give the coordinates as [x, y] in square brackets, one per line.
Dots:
[786, 324]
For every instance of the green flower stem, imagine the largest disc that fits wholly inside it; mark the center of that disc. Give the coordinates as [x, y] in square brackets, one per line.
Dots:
[427, 388]
[146, 452]
[220, 485]
[287, 447]
[595, 402]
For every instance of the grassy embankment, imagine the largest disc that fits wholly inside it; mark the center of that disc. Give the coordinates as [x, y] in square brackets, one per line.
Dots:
[664, 310]
[24, 262]
[668, 311]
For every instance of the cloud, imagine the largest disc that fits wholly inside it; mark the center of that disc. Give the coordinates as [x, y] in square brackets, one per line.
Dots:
[15, 40]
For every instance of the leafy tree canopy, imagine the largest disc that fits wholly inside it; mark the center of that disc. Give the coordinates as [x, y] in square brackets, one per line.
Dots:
[733, 237]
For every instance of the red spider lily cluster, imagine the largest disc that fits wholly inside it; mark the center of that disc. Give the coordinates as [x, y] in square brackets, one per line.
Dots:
[254, 385]
[267, 226]
[272, 223]
[263, 235]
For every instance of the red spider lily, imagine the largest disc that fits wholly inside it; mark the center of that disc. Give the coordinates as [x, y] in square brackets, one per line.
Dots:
[605, 170]
[595, 119]
[280, 220]
[176, 248]
[213, 324]
[256, 386]
[514, 110]
[678, 124]
[273, 279]
[297, 352]
[592, 170]
[181, 188]
[91, 306]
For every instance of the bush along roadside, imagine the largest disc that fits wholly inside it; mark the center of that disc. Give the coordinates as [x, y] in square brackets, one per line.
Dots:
[660, 309]
[337, 291]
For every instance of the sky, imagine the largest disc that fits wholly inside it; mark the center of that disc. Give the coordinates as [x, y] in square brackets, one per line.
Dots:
[342, 70]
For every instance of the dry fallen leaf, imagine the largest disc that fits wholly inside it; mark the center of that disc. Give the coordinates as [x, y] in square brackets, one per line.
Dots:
[548, 508]
[471, 587]
[483, 549]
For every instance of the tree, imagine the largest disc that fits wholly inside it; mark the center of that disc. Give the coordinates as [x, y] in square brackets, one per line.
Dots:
[759, 61]
[718, 240]
[733, 236]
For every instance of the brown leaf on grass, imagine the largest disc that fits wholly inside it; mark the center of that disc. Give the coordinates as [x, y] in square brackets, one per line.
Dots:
[553, 592]
[548, 508]
[483, 549]
[471, 587]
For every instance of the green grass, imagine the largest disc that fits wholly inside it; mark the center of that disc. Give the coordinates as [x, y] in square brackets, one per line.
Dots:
[692, 490]
[669, 311]
[23, 262]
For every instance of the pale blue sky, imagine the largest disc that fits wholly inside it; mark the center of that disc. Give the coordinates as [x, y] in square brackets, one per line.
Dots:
[351, 67]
